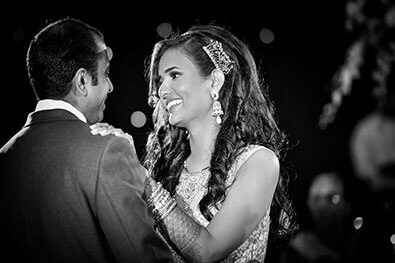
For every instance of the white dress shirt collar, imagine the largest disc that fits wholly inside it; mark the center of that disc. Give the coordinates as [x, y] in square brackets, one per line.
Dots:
[49, 104]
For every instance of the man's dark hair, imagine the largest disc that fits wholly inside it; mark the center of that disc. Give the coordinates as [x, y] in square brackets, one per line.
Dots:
[57, 52]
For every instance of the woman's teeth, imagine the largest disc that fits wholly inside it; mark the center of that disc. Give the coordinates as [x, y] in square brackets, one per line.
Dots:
[173, 103]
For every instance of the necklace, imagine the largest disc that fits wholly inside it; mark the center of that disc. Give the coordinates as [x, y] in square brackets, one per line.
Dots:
[186, 169]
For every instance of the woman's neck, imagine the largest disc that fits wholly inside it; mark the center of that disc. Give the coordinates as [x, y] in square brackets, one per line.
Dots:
[201, 142]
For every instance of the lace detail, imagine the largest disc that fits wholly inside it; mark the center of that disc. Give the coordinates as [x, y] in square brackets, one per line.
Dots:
[191, 189]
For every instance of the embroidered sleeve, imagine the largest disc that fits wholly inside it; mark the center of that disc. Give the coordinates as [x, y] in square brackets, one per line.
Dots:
[181, 231]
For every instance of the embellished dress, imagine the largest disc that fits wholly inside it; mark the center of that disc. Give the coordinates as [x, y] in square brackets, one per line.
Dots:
[193, 186]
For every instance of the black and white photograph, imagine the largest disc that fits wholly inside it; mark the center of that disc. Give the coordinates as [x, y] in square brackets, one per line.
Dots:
[198, 132]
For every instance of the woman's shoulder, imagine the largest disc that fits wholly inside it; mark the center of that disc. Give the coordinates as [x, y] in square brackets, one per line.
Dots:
[256, 157]
[258, 151]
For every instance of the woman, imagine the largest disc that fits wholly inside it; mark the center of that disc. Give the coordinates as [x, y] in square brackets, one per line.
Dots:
[216, 187]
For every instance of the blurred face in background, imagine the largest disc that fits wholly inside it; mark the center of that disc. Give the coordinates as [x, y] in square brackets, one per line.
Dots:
[326, 201]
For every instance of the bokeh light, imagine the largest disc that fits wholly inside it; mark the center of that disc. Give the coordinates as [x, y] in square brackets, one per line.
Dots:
[164, 29]
[138, 119]
[358, 222]
[266, 35]
[336, 199]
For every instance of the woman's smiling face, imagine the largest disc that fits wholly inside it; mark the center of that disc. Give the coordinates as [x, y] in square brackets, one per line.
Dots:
[184, 91]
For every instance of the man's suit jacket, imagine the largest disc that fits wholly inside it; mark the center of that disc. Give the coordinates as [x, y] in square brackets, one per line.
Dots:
[69, 196]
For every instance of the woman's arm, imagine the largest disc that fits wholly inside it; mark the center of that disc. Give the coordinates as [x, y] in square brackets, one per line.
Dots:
[245, 205]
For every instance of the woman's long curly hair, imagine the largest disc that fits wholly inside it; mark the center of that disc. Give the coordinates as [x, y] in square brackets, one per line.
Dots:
[248, 119]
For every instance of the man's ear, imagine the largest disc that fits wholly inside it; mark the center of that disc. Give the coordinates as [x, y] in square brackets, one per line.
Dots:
[217, 80]
[80, 81]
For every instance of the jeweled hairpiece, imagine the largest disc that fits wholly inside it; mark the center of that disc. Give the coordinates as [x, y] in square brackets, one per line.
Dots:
[218, 56]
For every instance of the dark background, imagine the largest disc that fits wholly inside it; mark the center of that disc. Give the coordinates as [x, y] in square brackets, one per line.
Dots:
[309, 46]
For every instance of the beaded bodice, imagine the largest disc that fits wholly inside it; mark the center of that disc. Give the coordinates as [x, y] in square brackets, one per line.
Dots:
[193, 186]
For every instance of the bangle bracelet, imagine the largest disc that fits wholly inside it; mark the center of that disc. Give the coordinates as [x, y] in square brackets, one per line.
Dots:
[160, 201]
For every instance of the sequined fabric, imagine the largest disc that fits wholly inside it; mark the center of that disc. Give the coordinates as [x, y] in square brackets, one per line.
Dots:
[193, 186]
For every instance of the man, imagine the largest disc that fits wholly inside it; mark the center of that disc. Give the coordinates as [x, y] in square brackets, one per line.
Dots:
[66, 195]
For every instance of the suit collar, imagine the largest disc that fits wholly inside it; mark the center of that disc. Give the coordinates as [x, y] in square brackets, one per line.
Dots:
[50, 116]
[51, 104]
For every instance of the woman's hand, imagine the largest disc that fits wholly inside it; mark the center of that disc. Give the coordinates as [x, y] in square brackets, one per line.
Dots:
[105, 129]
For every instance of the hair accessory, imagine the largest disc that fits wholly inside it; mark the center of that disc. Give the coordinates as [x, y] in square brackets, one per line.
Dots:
[218, 56]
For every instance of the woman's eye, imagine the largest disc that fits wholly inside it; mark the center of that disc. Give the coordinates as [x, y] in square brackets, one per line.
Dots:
[174, 75]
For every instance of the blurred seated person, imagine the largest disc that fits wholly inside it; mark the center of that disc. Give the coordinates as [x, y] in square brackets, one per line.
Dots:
[330, 211]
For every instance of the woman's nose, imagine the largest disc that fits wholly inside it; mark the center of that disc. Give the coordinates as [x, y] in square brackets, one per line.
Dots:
[163, 91]
[111, 87]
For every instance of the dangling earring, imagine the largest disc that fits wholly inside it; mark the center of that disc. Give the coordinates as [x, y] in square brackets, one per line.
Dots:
[217, 108]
